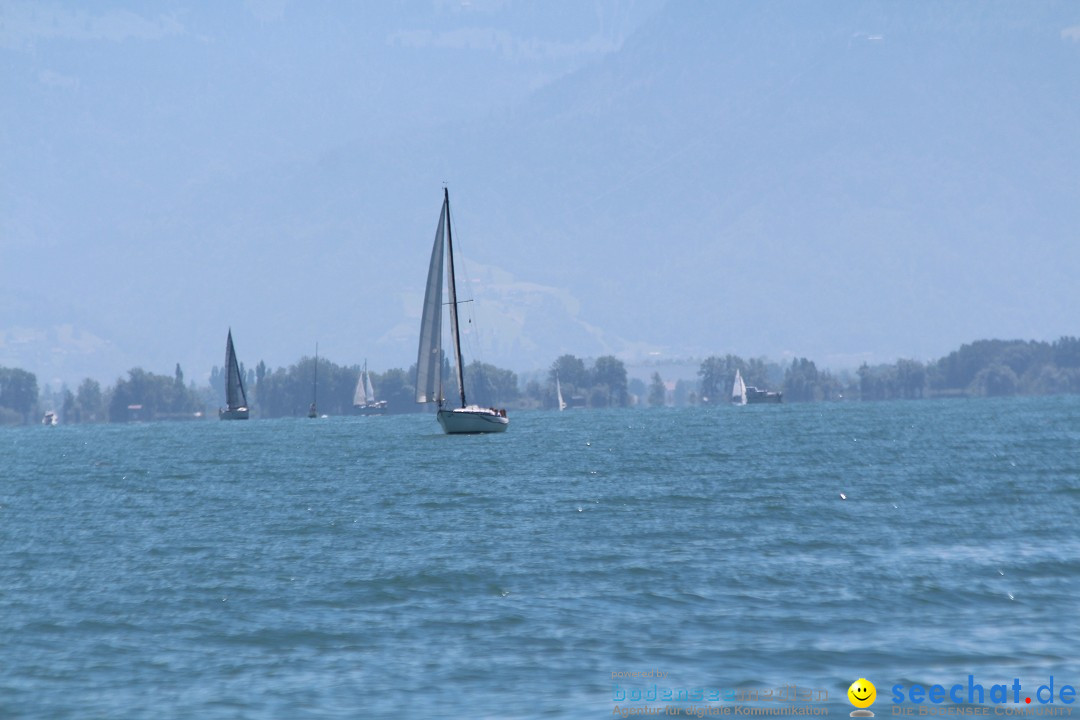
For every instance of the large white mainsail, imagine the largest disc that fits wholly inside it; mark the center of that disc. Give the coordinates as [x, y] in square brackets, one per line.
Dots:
[368, 387]
[359, 397]
[429, 354]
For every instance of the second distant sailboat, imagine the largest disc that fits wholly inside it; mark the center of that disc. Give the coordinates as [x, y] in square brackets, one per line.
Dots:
[236, 406]
[364, 402]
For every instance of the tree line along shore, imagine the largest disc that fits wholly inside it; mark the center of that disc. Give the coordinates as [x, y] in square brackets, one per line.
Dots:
[981, 368]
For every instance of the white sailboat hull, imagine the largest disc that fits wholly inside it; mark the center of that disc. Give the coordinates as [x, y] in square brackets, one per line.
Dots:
[377, 408]
[472, 419]
[233, 414]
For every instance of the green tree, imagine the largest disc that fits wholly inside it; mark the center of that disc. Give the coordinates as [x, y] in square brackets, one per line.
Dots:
[959, 368]
[657, 391]
[712, 373]
[684, 393]
[397, 387]
[217, 382]
[718, 375]
[89, 402]
[803, 382]
[1053, 380]
[910, 379]
[872, 383]
[67, 409]
[489, 385]
[1066, 352]
[610, 372]
[996, 380]
[158, 395]
[572, 375]
[599, 396]
[19, 392]
[537, 394]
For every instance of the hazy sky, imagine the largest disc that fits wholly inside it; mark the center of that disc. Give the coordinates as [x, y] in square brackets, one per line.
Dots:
[843, 181]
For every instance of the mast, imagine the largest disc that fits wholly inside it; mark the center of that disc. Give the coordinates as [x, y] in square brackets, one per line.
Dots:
[313, 411]
[455, 333]
[230, 391]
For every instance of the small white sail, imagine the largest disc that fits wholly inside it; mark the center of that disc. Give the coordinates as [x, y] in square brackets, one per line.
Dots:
[368, 389]
[558, 391]
[359, 398]
[363, 395]
[738, 390]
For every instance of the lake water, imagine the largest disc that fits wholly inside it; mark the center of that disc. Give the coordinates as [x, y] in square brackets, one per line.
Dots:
[373, 567]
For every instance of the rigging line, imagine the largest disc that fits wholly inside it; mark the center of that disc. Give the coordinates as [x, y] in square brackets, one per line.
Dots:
[471, 336]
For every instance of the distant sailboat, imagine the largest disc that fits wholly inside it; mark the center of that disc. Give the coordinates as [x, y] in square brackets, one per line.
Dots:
[558, 392]
[236, 405]
[429, 384]
[364, 401]
[743, 394]
[738, 390]
[313, 411]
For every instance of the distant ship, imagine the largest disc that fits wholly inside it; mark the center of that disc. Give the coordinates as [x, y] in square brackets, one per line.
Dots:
[743, 394]
[364, 402]
[754, 396]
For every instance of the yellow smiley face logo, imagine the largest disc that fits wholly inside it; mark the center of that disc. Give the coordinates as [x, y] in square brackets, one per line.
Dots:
[862, 693]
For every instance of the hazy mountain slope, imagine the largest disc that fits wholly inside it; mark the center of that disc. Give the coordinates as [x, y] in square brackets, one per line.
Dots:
[837, 181]
[859, 182]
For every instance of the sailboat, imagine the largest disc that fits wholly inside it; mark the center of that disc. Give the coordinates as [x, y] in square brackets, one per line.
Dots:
[236, 406]
[558, 393]
[738, 390]
[429, 383]
[313, 411]
[364, 401]
[743, 394]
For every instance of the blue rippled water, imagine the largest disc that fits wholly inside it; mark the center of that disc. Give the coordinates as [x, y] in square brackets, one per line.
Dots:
[372, 567]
